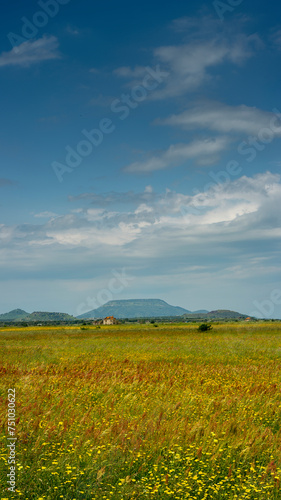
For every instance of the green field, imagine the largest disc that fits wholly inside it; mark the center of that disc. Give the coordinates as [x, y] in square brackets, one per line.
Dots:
[135, 412]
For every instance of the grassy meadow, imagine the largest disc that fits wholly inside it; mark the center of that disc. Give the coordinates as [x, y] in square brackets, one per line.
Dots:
[138, 411]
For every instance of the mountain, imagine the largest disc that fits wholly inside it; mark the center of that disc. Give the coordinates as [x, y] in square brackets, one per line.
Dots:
[20, 315]
[48, 316]
[138, 308]
[15, 315]
[217, 314]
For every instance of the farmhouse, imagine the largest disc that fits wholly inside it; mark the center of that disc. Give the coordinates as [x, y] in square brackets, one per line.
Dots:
[110, 320]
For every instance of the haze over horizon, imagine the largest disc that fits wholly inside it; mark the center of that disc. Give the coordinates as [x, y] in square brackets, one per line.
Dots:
[140, 155]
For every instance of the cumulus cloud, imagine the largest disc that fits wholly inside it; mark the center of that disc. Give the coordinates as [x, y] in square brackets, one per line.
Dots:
[234, 219]
[31, 52]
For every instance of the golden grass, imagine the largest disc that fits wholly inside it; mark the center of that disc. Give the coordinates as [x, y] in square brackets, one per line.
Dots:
[135, 412]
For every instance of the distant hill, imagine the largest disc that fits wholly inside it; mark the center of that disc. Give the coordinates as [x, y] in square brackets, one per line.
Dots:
[218, 314]
[48, 316]
[16, 314]
[138, 308]
[132, 308]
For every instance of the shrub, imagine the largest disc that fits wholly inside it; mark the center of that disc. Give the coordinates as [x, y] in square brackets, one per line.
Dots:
[204, 327]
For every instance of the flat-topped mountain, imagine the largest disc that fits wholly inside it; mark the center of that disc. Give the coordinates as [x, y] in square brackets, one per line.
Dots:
[135, 308]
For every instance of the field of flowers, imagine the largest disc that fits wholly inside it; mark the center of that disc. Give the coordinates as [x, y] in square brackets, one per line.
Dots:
[136, 412]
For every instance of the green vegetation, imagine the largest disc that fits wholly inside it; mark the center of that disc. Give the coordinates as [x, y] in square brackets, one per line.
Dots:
[218, 314]
[20, 316]
[16, 314]
[138, 412]
[49, 316]
[204, 327]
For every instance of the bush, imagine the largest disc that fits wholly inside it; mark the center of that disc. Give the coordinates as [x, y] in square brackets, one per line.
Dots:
[204, 327]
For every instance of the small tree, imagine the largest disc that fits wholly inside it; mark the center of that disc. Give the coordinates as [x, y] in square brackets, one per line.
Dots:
[204, 327]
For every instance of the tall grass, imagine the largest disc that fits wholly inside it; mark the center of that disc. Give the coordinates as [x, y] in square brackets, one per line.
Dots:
[128, 412]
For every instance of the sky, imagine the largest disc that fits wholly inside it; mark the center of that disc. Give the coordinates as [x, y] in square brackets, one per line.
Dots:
[140, 154]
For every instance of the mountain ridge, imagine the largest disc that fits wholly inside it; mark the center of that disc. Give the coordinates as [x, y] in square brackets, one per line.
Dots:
[122, 309]
[21, 315]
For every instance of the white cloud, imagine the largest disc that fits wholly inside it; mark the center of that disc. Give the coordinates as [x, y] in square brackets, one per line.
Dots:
[45, 215]
[201, 150]
[207, 234]
[188, 64]
[215, 245]
[220, 117]
[31, 52]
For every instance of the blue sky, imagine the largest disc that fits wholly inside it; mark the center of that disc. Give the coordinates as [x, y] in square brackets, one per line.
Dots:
[140, 154]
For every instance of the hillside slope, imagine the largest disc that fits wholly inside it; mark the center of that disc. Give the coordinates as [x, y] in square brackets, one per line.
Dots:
[217, 314]
[14, 315]
[48, 316]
